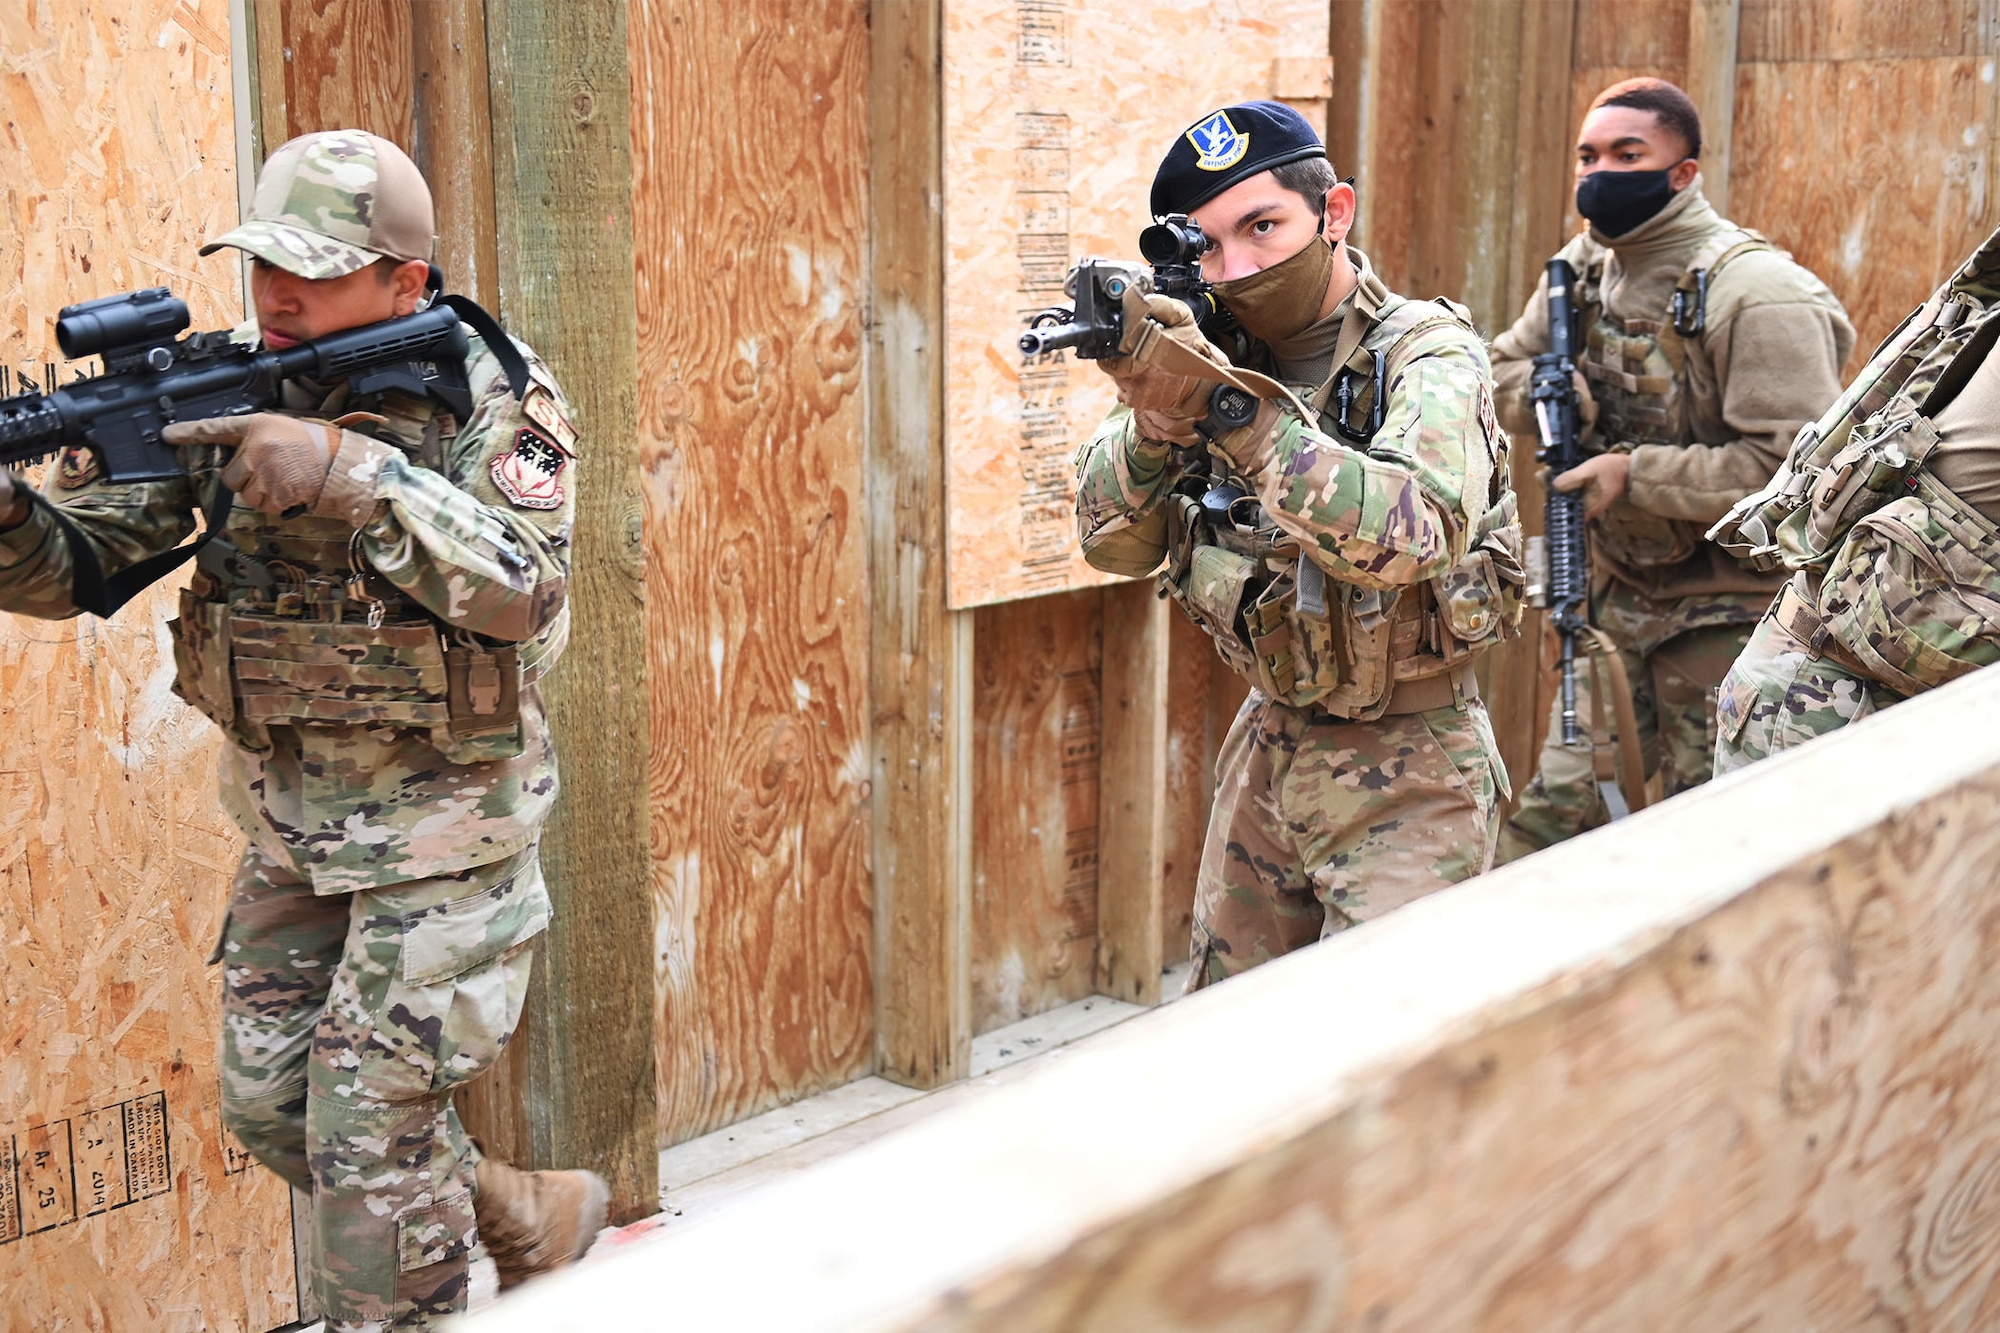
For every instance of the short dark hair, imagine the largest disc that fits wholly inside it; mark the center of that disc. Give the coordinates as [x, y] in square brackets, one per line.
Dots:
[1674, 108]
[1309, 178]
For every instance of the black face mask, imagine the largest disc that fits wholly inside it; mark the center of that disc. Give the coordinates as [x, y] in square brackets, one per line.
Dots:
[1615, 202]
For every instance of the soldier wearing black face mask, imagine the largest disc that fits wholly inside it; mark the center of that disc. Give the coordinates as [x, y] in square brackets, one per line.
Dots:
[1704, 350]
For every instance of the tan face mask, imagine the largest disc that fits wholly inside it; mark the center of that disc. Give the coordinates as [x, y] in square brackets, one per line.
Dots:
[1278, 302]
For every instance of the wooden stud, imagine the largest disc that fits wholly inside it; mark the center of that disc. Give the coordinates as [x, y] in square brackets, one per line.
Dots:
[920, 653]
[1132, 794]
[271, 80]
[1514, 677]
[561, 104]
[453, 133]
[1711, 86]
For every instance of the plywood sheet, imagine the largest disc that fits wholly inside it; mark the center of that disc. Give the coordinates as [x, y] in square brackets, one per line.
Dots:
[1876, 174]
[1037, 709]
[123, 1204]
[1056, 114]
[1727, 1065]
[750, 250]
[345, 63]
[1863, 29]
[1647, 35]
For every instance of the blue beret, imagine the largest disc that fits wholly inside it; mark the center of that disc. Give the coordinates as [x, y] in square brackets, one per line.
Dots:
[1228, 146]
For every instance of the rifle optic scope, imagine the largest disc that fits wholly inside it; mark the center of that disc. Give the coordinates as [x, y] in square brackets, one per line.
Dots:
[1176, 239]
[154, 315]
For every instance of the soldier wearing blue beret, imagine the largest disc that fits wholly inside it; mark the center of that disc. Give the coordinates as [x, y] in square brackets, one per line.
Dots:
[1351, 547]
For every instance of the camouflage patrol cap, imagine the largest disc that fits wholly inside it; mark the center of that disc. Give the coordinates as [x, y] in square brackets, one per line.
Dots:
[331, 203]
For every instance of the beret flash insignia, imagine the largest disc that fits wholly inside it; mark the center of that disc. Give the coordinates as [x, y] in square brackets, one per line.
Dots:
[1218, 143]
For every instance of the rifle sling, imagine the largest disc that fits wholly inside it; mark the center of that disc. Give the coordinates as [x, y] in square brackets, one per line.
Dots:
[1631, 763]
[495, 337]
[91, 591]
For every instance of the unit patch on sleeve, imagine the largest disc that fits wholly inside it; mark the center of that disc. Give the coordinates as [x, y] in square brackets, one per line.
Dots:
[530, 474]
[541, 407]
[78, 466]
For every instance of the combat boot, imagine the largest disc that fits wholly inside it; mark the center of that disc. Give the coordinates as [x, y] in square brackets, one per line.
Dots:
[533, 1222]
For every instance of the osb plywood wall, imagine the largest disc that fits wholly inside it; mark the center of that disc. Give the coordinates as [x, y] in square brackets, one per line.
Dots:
[122, 1205]
[1056, 114]
[1864, 143]
[749, 159]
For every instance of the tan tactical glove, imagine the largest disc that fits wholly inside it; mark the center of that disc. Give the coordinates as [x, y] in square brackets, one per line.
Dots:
[1162, 351]
[1586, 403]
[14, 504]
[281, 462]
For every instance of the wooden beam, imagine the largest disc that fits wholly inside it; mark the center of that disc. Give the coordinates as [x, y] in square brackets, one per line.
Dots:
[920, 654]
[454, 139]
[1514, 678]
[561, 103]
[1132, 794]
[1711, 85]
[452, 133]
[1726, 1064]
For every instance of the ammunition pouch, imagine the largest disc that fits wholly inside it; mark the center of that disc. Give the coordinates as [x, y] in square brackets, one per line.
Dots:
[1912, 592]
[249, 668]
[1338, 648]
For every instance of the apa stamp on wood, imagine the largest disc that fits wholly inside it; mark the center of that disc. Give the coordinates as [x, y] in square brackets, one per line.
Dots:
[105, 1158]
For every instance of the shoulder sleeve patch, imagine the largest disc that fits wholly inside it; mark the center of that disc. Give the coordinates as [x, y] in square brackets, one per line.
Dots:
[542, 407]
[77, 467]
[530, 474]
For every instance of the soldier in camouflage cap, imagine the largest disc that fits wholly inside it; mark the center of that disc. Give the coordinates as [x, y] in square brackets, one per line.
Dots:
[1351, 546]
[1704, 350]
[1886, 517]
[367, 628]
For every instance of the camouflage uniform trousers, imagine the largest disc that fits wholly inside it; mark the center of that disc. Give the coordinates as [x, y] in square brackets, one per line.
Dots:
[1778, 695]
[1321, 823]
[1673, 700]
[347, 1021]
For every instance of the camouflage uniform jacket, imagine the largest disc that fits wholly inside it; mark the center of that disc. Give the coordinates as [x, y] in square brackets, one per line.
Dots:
[1416, 527]
[1765, 361]
[459, 530]
[1893, 574]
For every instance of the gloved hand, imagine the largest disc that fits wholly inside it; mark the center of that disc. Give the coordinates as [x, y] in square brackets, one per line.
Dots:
[1586, 405]
[1160, 348]
[13, 502]
[281, 463]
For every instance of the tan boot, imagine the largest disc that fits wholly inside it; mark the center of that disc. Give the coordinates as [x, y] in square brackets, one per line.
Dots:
[533, 1222]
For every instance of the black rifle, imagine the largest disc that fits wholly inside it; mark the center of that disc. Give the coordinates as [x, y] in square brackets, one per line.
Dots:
[151, 379]
[1094, 326]
[1553, 392]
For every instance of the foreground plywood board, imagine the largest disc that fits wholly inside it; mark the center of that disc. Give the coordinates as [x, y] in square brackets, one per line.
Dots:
[1727, 1064]
[1056, 113]
[123, 1203]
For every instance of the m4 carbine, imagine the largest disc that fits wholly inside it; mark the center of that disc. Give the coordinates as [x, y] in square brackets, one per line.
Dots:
[1557, 414]
[1094, 326]
[152, 377]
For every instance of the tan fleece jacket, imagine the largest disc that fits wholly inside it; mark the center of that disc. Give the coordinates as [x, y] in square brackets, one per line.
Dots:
[1767, 361]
